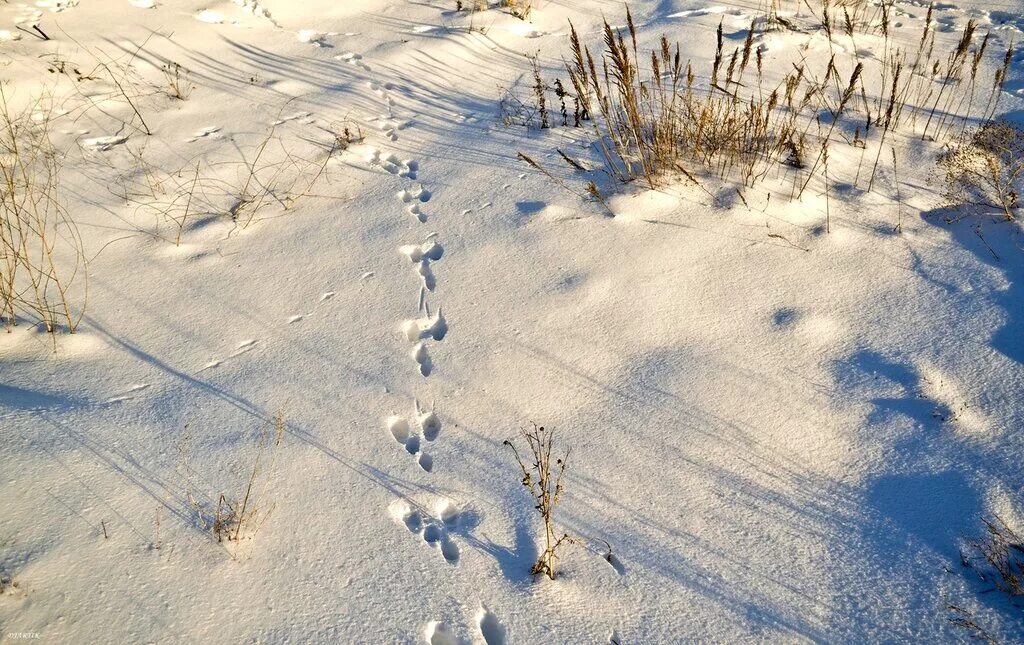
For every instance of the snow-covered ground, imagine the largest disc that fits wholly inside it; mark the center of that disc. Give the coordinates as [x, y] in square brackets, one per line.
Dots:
[785, 434]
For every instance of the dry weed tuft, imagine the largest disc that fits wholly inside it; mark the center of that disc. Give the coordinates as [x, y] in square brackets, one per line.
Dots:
[544, 481]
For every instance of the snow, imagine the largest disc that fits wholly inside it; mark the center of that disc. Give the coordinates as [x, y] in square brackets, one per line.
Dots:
[784, 433]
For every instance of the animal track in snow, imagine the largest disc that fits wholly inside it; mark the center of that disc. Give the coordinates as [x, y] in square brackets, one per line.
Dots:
[399, 429]
[422, 358]
[439, 632]
[427, 327]
[354, 59]
[429, 422]
[435, 530]
[415, 194]
[429, 428]
[709, 11]
[417, 212]
[491, 628]
[392, 164]
[381, 89]
[389, 126]
[255, 8]
[421, 255]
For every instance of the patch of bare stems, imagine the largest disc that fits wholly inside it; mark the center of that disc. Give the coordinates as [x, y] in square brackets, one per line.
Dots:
[232, 517]
[965, 619]
[987, 169]
[659, 121]
[543, 478]
[998, 557]
[41, 253]
[267, 179]
[271, 174]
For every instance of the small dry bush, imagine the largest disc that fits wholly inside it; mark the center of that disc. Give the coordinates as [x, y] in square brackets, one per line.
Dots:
[237, 515]
[518, 8]
[543, 478]
[987, 169]
[998, 557]
[41, 252]
[177, 83]
[6, 581]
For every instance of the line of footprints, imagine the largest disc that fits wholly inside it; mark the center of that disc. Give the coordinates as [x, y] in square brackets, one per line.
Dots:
[435, 529]
[427, 327]
[428, 427]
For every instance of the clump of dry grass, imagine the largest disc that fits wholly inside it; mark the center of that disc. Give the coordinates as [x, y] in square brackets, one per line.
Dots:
[237, 516]
[987, 169]
[177, 83]
[41, 252]
[543, 478]
[653, 126]
[660, 120]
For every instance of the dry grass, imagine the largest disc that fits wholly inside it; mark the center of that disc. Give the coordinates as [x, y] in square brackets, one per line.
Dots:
[964, 619]
[662, 120]
[177, 83]
[543, 478]
[654, 127]
[987, 169]
[41, 252]
[998, 557]
[263, 180]
[518, 8]
[7, 581]
[238, 515]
